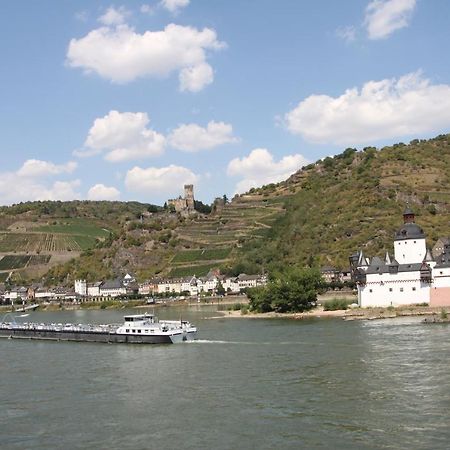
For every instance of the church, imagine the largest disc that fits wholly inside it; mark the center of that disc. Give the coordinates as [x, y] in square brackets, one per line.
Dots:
[410, 276]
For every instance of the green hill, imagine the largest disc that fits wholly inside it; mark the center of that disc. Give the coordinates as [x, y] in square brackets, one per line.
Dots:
[320, 215]
[355, 200]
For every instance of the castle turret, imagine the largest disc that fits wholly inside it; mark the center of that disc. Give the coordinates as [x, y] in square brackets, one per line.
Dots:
[189, 195]
[409, 241]
[408, 215]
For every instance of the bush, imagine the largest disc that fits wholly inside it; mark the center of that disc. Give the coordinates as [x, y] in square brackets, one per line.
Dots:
[296, 291]
[337, 304]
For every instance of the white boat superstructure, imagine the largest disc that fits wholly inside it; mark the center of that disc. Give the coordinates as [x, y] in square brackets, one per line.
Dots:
[136, 329]
[148, 325]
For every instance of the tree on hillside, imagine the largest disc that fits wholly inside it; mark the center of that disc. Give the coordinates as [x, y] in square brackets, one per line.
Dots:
[220, 289]
[295, 291]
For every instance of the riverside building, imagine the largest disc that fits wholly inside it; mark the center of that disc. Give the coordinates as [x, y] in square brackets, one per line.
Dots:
[411, 276]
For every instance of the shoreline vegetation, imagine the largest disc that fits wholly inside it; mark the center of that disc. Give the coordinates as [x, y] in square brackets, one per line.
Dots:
[238, 307]
[348, 314]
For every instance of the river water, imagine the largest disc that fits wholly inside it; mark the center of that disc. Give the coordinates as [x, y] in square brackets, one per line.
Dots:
[246, 384]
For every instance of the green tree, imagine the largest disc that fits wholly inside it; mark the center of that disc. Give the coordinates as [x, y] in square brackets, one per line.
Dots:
[295, 291]
[220, 289]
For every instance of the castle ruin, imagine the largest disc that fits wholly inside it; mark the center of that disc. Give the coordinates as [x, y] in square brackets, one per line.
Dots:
[184, 205]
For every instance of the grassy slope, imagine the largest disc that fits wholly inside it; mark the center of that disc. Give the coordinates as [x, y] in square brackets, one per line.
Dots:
[357, 200]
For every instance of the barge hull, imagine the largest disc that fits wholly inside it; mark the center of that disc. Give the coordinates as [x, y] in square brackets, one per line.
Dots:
[80, 336]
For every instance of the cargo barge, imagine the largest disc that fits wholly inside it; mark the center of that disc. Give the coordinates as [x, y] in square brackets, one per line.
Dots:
[136, 329]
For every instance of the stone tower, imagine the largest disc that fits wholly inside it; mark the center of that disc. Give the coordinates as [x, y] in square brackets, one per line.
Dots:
[189, 196]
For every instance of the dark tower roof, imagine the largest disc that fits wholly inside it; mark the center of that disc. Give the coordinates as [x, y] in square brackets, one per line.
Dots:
[408, 215]
[409, 230]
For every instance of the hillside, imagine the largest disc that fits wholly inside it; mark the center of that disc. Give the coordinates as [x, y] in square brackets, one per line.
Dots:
[355, 200]
[320, 215]
[35, 236]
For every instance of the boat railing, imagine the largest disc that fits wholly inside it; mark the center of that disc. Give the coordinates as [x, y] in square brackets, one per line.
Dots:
[53, 327]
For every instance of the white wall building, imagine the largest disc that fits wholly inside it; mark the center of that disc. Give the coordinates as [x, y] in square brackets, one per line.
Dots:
[407, 278]
[81, 287]
[93, 290]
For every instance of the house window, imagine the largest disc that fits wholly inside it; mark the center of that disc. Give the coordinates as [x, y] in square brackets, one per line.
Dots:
[414, 288]
[390, 289]
[370, 290]
[401, 289]
[414, 242]
[441, 272]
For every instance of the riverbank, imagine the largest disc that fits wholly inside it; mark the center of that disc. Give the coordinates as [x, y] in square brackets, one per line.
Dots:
[348, 315]
[138, 304]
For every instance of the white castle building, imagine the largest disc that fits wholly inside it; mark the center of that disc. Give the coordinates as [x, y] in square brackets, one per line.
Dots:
[411, 276]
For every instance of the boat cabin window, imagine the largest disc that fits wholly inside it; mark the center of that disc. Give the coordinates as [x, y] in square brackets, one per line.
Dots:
[138, 318]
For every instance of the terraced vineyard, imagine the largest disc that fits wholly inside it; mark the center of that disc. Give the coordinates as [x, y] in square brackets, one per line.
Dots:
[3, 276]
[201, 255]
[214, 241]
[239, 220]
[37, 260]
[77, 227]
[10, 262]
[43, 242]
[198, 271]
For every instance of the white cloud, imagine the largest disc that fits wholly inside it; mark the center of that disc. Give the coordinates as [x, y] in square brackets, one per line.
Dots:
[15, 188]
[195, 78]
[123, 136]
[38, 168]
[348, 33]
[383, 17]
[409, 105]
[259, 168]
[174, 5]
[193, 137]
[159, 181]
[146, 9]
[114, 16]
[122, 55]
[102, 192]
[60, 190]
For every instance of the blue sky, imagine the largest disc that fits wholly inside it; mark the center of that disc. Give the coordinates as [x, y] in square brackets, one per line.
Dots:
[131, 100]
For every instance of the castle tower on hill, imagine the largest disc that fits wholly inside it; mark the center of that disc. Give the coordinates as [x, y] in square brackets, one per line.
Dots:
[189, 195]
[184, 205]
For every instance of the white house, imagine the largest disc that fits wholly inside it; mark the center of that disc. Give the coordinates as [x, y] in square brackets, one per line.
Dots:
[406, 278]
[81, 287]
[93, 290]
[112, 288]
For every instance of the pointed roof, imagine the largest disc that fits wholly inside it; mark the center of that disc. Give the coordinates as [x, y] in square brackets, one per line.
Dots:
[428, 256]
[362, 261]
[376, 261]
[387, 258]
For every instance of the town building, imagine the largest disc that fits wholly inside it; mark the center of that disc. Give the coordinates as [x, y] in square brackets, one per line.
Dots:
[112, 288]
[410, 276]
[438, 248]
[81, 287]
